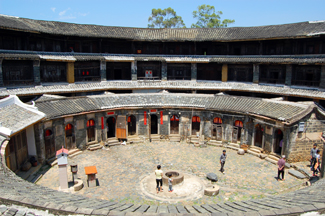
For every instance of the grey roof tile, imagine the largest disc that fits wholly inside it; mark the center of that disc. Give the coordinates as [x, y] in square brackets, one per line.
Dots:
[190, 34]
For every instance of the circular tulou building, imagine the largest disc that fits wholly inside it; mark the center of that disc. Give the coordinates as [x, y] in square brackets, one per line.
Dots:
[75, 86]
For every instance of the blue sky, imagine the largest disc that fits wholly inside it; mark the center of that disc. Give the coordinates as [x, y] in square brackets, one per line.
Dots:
[135, 13]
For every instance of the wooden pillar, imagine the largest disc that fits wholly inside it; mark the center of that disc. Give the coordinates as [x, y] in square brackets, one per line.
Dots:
[1, 75]
[256, 73]
[134, 71]
[164, 71]
[322, 77]
[36, 71]
[103, 70]
[70, 72]
[193, 71]
[288, 75]
[224, 73]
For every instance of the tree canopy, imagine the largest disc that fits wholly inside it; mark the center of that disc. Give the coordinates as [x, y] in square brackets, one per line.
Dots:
[208, 18]
[166, 18]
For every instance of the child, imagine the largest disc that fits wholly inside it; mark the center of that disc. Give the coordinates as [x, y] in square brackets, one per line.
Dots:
[170, 184]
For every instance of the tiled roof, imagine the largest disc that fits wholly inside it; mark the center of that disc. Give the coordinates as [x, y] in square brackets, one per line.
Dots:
[16, 115]
[16, 118]
[303, 29]
[280, 110]
[59, 88]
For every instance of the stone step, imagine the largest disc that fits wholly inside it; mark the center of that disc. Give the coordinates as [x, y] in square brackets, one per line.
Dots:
[113, 144]
[215, 144]
[51, 160]
[215, 141]
[271, 160]
[75, 154]
[95, 148]
[253, 153]
[234, 145]
[175, 138]
[93, 145]
[256, 147]
[255, 150]
[273, 157]
[72, 151]
[111, 141]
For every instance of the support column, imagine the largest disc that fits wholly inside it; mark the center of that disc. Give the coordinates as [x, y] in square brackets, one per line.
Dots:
[70, 72]
[36, 72]
[134, 71]
[288, 75]
[164, 71]
[1, 75]
[193, 71]
[224, 73]
[256, 73]
[322, 77]
[103, 70]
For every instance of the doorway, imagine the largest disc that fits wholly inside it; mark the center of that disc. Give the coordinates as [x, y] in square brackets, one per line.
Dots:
[236, 133]
[70, 141]
[111, 127]
[154, 124]
[278, 141]
[49, 144]
[174, 124]
[196, 121]
[217, 129]
[258, 139]
[91, 131]
[132, 129]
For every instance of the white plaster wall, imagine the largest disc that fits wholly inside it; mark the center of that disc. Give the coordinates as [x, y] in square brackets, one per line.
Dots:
[31, 140]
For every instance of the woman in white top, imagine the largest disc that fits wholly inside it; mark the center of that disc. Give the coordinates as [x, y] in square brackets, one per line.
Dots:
[159, 174]
[316, 164]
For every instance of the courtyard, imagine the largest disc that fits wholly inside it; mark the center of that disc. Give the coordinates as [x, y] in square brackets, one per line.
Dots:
[121, 169]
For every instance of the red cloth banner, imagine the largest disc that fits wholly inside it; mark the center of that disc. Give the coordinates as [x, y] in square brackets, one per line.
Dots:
[110, 113]
[145, 118]
[161, 117]
[239, 123]
[102, 123]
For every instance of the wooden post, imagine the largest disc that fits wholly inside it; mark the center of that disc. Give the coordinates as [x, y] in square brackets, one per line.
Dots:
[70, 72]
[149, 126]
[224, 71]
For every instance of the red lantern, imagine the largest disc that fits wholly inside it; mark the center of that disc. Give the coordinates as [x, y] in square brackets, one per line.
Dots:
[87, 72]
[48, 133]
[194, 119]
[198, 119]
[83, 73]
[239, 123]
[129, 119]
[68, 127]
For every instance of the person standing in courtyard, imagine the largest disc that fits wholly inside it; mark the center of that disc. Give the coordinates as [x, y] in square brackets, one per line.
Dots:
[281, 164]
[170, 183]
[313, 155]
[316, 164]
[223, 161]
[159, 174]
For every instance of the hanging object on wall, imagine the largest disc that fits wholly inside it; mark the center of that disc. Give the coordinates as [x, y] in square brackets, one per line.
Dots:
[161, 117]
[102, 123]
[145, 118]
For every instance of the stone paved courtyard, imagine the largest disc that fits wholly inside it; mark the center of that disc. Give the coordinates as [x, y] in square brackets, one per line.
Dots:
[121, 168]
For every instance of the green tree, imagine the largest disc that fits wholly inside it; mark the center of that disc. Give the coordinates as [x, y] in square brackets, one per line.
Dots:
[166, 18]
[208, 18]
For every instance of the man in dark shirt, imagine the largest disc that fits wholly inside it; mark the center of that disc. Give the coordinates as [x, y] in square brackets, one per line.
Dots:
[223, 161]
[281, 164]
[313, 155]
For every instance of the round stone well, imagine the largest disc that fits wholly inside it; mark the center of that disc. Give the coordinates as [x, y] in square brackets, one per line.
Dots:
[177, 177]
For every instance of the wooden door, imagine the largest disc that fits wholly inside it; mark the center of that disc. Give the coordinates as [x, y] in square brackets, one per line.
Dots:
[121, 127]
[258, 135]
[111, 127]
[49, 144]
[12, 155]
[234, 134]
[22, 153]
[214, 131]
[219, 132]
